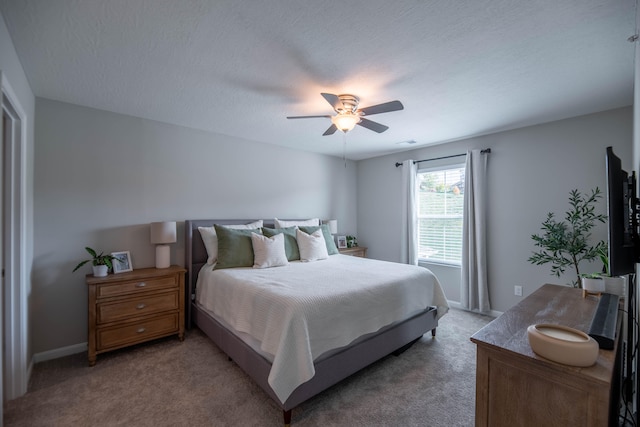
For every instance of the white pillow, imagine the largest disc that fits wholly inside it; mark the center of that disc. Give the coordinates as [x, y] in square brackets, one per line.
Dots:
[285, 224]
[268, 251]
[312, 246]
[210, 238]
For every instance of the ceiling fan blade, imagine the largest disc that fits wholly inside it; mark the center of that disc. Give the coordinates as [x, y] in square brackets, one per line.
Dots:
[371, 125]
[382, 108]
[307, 117]
[333, 100]
[332, 129]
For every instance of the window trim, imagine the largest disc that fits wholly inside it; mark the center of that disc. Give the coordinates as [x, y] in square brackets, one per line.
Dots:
[449, 165]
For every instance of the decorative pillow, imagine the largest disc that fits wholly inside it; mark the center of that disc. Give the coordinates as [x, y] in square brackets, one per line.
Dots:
[268, 251]
[312, 246]
[234, 247]
[284, 224]
[211, 241]
[290, 242]
[332, 249]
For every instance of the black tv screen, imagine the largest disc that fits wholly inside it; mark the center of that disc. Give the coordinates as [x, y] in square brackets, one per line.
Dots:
[622, 230]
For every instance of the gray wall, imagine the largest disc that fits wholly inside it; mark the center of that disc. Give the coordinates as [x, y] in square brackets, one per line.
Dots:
[101, 178]
[530, 171]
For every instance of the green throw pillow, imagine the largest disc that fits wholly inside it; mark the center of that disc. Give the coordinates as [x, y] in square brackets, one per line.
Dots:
[328, 237]
[234, 247]
[290, 242]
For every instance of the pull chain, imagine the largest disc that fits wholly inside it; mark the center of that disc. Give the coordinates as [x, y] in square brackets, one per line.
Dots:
[344, 149]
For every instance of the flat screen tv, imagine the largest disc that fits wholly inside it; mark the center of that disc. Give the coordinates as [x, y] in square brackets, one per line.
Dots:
[621, 201]
[623, 255]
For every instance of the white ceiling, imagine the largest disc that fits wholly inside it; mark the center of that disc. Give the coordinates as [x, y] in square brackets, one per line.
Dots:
[460, 67]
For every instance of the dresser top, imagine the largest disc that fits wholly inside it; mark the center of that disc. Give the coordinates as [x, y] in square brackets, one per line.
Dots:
[136, 274]
[554, 304]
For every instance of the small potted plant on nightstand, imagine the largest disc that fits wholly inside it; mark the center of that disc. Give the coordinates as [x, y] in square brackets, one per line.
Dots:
[101, 263]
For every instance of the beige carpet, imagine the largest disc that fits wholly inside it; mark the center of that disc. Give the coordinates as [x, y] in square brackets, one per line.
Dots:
[169, 383]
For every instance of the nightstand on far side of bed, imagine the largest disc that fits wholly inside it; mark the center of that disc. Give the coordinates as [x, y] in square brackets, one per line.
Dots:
[359, 251]
[134, 307]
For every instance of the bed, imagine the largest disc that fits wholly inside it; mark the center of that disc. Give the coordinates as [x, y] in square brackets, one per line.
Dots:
[286, 368]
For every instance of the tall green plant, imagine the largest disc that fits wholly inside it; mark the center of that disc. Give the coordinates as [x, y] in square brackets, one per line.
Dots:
[565, 244]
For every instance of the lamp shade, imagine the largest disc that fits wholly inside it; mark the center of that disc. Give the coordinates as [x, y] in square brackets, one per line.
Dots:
[163, 232]
[346, 121]
[333, 225]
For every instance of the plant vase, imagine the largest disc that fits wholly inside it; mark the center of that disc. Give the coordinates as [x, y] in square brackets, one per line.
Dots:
[615, 285]
[592, 284]
[100, 270]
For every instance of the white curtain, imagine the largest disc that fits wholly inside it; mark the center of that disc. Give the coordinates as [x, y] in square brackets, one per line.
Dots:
[474, 292]
[408, 239]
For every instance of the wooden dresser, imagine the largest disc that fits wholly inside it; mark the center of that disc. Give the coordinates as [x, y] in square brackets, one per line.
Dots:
[516, 387]
[133, 307]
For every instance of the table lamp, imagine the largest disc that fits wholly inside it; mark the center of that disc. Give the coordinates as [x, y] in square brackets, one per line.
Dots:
[333, 225]
[163, 233]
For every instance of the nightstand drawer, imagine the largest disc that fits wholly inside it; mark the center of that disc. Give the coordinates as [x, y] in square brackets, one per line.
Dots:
[128, 287]
[137, 332]
[140, 306]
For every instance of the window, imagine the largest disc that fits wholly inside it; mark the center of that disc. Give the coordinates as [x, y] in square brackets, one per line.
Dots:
[440, 199]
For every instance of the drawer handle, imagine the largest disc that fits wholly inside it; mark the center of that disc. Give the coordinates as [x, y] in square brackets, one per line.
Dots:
[140, 330]
[141, 306]
[141, 285]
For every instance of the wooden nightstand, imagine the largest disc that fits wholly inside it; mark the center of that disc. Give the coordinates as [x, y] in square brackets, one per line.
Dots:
[360, 251]
[133, 307]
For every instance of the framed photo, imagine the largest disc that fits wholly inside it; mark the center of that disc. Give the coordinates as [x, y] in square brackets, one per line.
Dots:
[122, 262]
[342, 242]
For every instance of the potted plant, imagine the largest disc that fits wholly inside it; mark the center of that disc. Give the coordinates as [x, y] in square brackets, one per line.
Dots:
[612, 285]
[101, 263]
[593, 282]
[604, 282]
[565, 243]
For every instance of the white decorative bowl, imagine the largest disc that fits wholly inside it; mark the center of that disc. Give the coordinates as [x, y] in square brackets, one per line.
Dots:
[563, 344]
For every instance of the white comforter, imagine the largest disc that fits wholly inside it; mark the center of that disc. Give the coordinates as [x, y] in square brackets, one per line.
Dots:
[302, 310]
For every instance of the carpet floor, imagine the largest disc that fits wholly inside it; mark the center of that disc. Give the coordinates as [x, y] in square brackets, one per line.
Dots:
[192, 383]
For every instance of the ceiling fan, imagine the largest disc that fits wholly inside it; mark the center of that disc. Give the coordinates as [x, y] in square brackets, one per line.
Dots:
[348, 114]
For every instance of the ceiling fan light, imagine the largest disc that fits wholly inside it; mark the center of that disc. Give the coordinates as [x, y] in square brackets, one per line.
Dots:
[345, 122]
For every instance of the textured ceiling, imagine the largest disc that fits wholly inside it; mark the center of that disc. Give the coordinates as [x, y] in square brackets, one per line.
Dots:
[461, 68]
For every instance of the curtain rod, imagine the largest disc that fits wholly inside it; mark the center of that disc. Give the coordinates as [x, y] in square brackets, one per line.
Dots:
[485, 151]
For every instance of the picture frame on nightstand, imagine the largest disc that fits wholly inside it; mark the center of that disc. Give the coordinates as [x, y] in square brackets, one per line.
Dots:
[122, 262]
[342, 242]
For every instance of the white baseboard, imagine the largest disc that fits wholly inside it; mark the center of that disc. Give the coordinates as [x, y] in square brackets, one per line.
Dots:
[30, 371]
[495, 313]
[457, 305]
[59, 352]
[79, 348]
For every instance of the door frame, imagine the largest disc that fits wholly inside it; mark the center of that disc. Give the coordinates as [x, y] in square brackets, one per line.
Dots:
[14, 239]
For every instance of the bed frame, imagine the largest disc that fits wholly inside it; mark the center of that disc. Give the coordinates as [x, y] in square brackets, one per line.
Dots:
[329, 370]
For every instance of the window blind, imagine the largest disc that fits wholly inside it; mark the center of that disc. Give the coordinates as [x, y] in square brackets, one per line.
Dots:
[440, 196]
